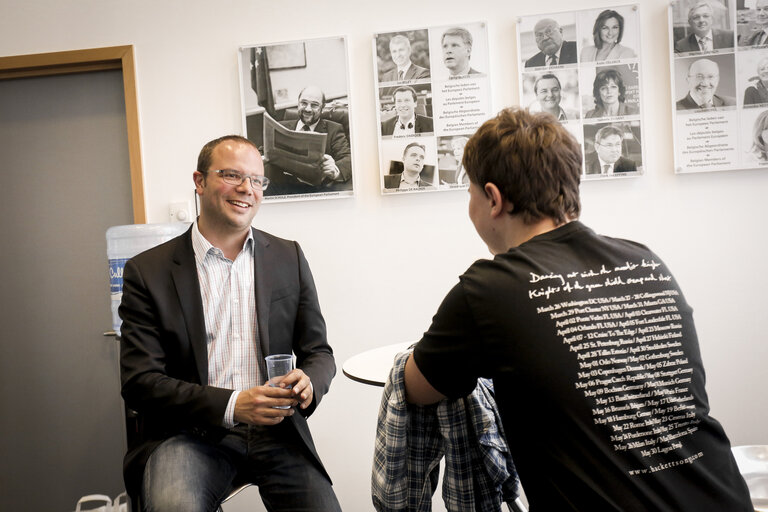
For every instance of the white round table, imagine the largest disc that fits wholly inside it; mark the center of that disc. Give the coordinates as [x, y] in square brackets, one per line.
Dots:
[372, 366]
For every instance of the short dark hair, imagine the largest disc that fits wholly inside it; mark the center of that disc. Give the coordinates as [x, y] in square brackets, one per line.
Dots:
[545, 76]
[607, 131]
[601, 18]
[602, 79]
[412, 144]
[204, 158]
[533, 160]
[406, 88]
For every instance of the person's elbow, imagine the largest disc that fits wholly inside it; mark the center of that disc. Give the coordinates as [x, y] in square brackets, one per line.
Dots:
[418, 390]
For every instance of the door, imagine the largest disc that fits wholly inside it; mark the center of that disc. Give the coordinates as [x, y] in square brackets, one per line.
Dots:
[64, 179]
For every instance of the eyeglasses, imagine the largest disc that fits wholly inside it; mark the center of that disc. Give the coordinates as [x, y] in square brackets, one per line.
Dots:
[237, 178]
[547, 32]
[616, 145]
[701, 78]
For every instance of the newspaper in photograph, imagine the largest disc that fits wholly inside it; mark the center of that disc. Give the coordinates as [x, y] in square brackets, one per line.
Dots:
[300, 151]
[296, 108]
[583, 67]
[719, 70]
[432, 93]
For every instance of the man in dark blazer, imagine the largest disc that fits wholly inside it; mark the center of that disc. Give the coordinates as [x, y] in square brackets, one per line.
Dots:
[405, 69]
[407, 121]
[703, 37]
[413, 165]
[703, 78]
[607, 157]
[334, 173]
[554, 50]
[200, 313]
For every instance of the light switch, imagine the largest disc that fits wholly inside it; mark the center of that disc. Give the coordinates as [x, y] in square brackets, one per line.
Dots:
[180, 211]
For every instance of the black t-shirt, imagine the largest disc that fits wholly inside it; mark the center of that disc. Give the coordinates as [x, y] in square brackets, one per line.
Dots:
[598, 375]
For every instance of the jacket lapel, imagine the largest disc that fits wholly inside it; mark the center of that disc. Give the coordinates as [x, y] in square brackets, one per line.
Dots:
[184, 274]
[263, 289]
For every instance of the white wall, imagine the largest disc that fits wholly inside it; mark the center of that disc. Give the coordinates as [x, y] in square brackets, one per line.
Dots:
[708, 227]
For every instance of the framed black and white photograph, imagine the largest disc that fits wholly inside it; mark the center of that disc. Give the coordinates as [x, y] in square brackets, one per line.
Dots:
[432, 90]
[296, 108]
[552, 90]
[402, 57]
[702, 26]
[609, 35]
[583, 67]
[612, 149]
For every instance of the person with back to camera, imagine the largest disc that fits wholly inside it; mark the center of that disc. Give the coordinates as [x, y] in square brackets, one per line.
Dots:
[609, 93]
[599, 414]
[760, 137]
[607, 34]
[758, 93]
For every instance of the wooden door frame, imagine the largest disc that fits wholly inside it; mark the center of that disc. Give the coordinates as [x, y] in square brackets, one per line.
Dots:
[84, 61]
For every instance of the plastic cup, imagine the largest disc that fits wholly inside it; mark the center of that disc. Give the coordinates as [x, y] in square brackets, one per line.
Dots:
[278, 366]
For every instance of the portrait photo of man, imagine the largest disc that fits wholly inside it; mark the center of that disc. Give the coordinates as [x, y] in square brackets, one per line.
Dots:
[607, 158]
[456, 45]
[553, 49]
[703, 36]
[759, 34]
[414, 156]
[547, 94]
[703, 78]
[335, 166]
[404, 68]
[406, 121]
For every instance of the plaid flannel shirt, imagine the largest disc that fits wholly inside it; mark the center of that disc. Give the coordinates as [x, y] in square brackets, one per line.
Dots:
[411, 440]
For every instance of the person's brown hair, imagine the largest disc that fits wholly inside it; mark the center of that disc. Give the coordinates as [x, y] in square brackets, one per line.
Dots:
[205, 156]
[533, 160]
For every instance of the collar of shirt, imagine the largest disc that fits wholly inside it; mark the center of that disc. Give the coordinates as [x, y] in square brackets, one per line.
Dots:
[300, 125]
[404, 70]
[202, 247]
[700, 101]
[706, 37]
[556, 55]
[603, 164]
[409, 183]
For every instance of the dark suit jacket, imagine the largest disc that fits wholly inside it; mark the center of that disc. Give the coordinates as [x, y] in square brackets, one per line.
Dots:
[687, 103]
[163, 354]
[393, 181]
[621, 165]
[567, 56]
[336, 145]
[414, 73]
[423, 125]
[720, 39]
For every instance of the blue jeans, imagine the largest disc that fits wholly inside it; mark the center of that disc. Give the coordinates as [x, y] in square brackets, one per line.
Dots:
[188, 474]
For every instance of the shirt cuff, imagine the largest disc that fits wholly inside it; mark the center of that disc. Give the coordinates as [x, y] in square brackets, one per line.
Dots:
[229, 412]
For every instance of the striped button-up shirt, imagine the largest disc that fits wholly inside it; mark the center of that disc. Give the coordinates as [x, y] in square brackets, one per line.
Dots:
[229, 307]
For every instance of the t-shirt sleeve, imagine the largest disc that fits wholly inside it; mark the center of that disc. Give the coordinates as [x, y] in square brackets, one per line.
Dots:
[448, 354]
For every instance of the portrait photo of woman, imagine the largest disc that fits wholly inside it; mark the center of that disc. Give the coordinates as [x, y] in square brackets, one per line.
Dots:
[609, 93]
[757, 92]
[607, 34]
[760, 137]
